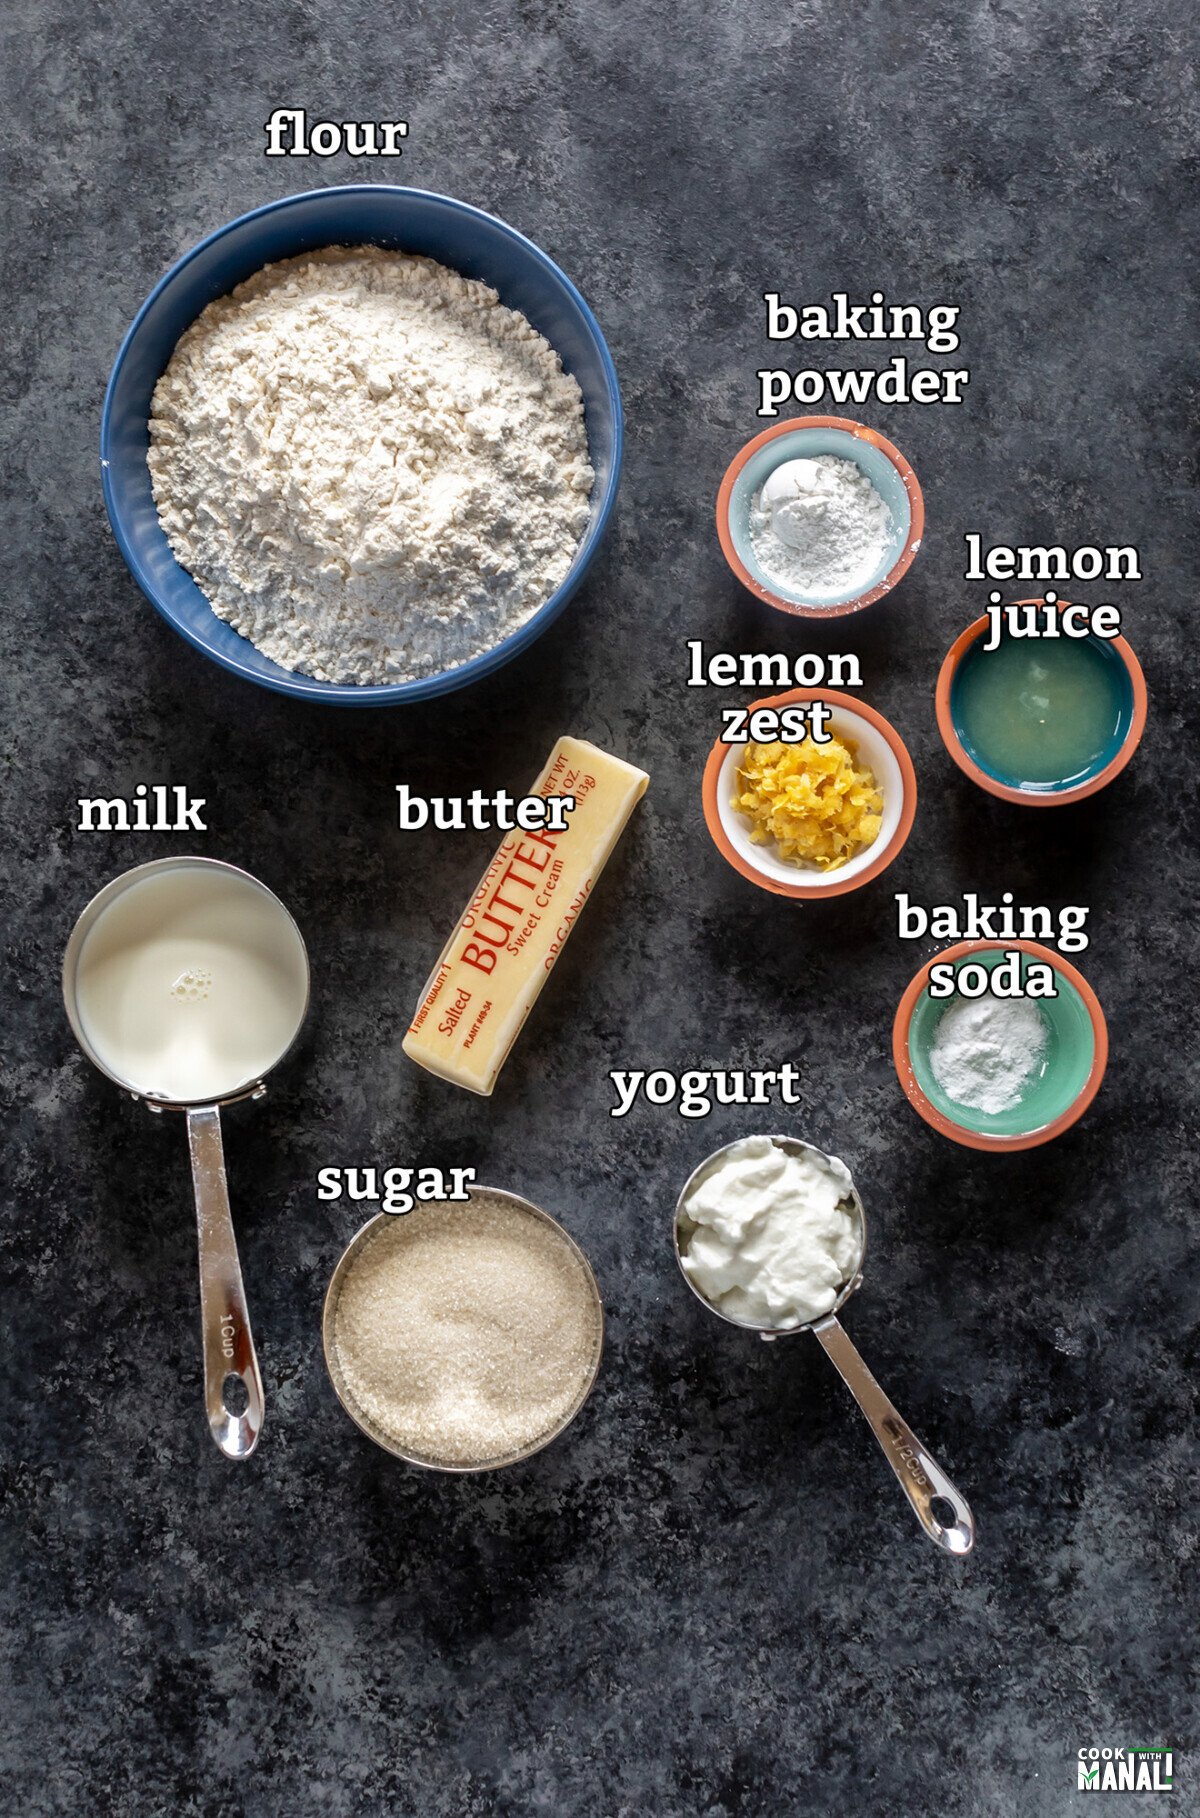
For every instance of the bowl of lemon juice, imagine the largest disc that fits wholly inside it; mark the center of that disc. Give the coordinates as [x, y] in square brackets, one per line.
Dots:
[1043, 719]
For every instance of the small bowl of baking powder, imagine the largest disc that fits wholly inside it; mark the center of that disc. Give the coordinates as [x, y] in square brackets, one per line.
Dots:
[1000, 1072]
[820, 516]
[463, 1336]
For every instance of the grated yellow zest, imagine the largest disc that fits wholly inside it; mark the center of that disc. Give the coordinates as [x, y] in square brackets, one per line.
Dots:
[818, 806]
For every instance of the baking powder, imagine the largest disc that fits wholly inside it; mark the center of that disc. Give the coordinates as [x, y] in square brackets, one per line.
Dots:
[819, 527]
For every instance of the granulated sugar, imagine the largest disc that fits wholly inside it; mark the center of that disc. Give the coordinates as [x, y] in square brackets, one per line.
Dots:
[466, 1333]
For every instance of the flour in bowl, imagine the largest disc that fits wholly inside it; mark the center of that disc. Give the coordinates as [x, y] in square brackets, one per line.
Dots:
[372, 469]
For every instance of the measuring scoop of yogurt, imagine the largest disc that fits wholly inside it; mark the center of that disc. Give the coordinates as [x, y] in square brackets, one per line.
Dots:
[773, 1234]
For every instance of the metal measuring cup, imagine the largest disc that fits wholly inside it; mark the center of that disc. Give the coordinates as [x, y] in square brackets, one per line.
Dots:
[921, 1477]
[368, 1234]
[224, 1317]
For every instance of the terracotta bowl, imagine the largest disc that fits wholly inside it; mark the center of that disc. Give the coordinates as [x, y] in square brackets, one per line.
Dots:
[1125, 741]
[1060, 1089]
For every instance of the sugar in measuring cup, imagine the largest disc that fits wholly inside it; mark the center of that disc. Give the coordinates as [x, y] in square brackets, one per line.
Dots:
[922, 1478]
[185, 981]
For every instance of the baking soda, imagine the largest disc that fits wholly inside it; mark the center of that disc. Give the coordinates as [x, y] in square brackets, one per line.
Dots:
[985, 1049]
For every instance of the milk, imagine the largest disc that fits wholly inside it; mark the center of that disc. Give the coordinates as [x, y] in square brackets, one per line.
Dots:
[191, 984]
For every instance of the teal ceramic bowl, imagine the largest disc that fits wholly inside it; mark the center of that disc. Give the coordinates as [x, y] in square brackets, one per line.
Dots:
[805, 438]
[1061, 1087]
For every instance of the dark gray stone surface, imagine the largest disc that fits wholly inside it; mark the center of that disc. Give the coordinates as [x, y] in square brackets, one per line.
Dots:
[709, 1598]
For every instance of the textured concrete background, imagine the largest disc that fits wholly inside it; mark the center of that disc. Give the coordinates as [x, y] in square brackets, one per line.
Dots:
[709, 1599]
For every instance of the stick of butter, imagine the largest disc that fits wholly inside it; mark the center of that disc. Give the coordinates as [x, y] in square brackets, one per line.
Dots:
[515, 926]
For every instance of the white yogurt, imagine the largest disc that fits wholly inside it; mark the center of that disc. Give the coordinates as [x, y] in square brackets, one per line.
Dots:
[191, 984]
[772, 1236]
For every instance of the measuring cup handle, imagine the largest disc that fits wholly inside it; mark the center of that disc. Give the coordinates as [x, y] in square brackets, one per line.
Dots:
[224, 1319]
[921, 1477]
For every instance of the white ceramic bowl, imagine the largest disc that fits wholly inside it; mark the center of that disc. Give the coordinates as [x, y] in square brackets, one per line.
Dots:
[806, 438]
[877, 744]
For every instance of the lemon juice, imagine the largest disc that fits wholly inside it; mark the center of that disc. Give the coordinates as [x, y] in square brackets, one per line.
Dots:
[1041, 712]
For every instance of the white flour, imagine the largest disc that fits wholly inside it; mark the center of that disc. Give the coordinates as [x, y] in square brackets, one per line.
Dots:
[984, 1049]
[819, 527]
[372, 469]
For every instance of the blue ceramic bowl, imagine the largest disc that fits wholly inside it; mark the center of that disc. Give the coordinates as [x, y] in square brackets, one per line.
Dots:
[412, 220]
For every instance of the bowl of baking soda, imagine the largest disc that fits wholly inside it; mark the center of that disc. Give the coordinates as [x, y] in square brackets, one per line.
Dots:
[1000, 1071]
[361, 445]
[820, 516]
